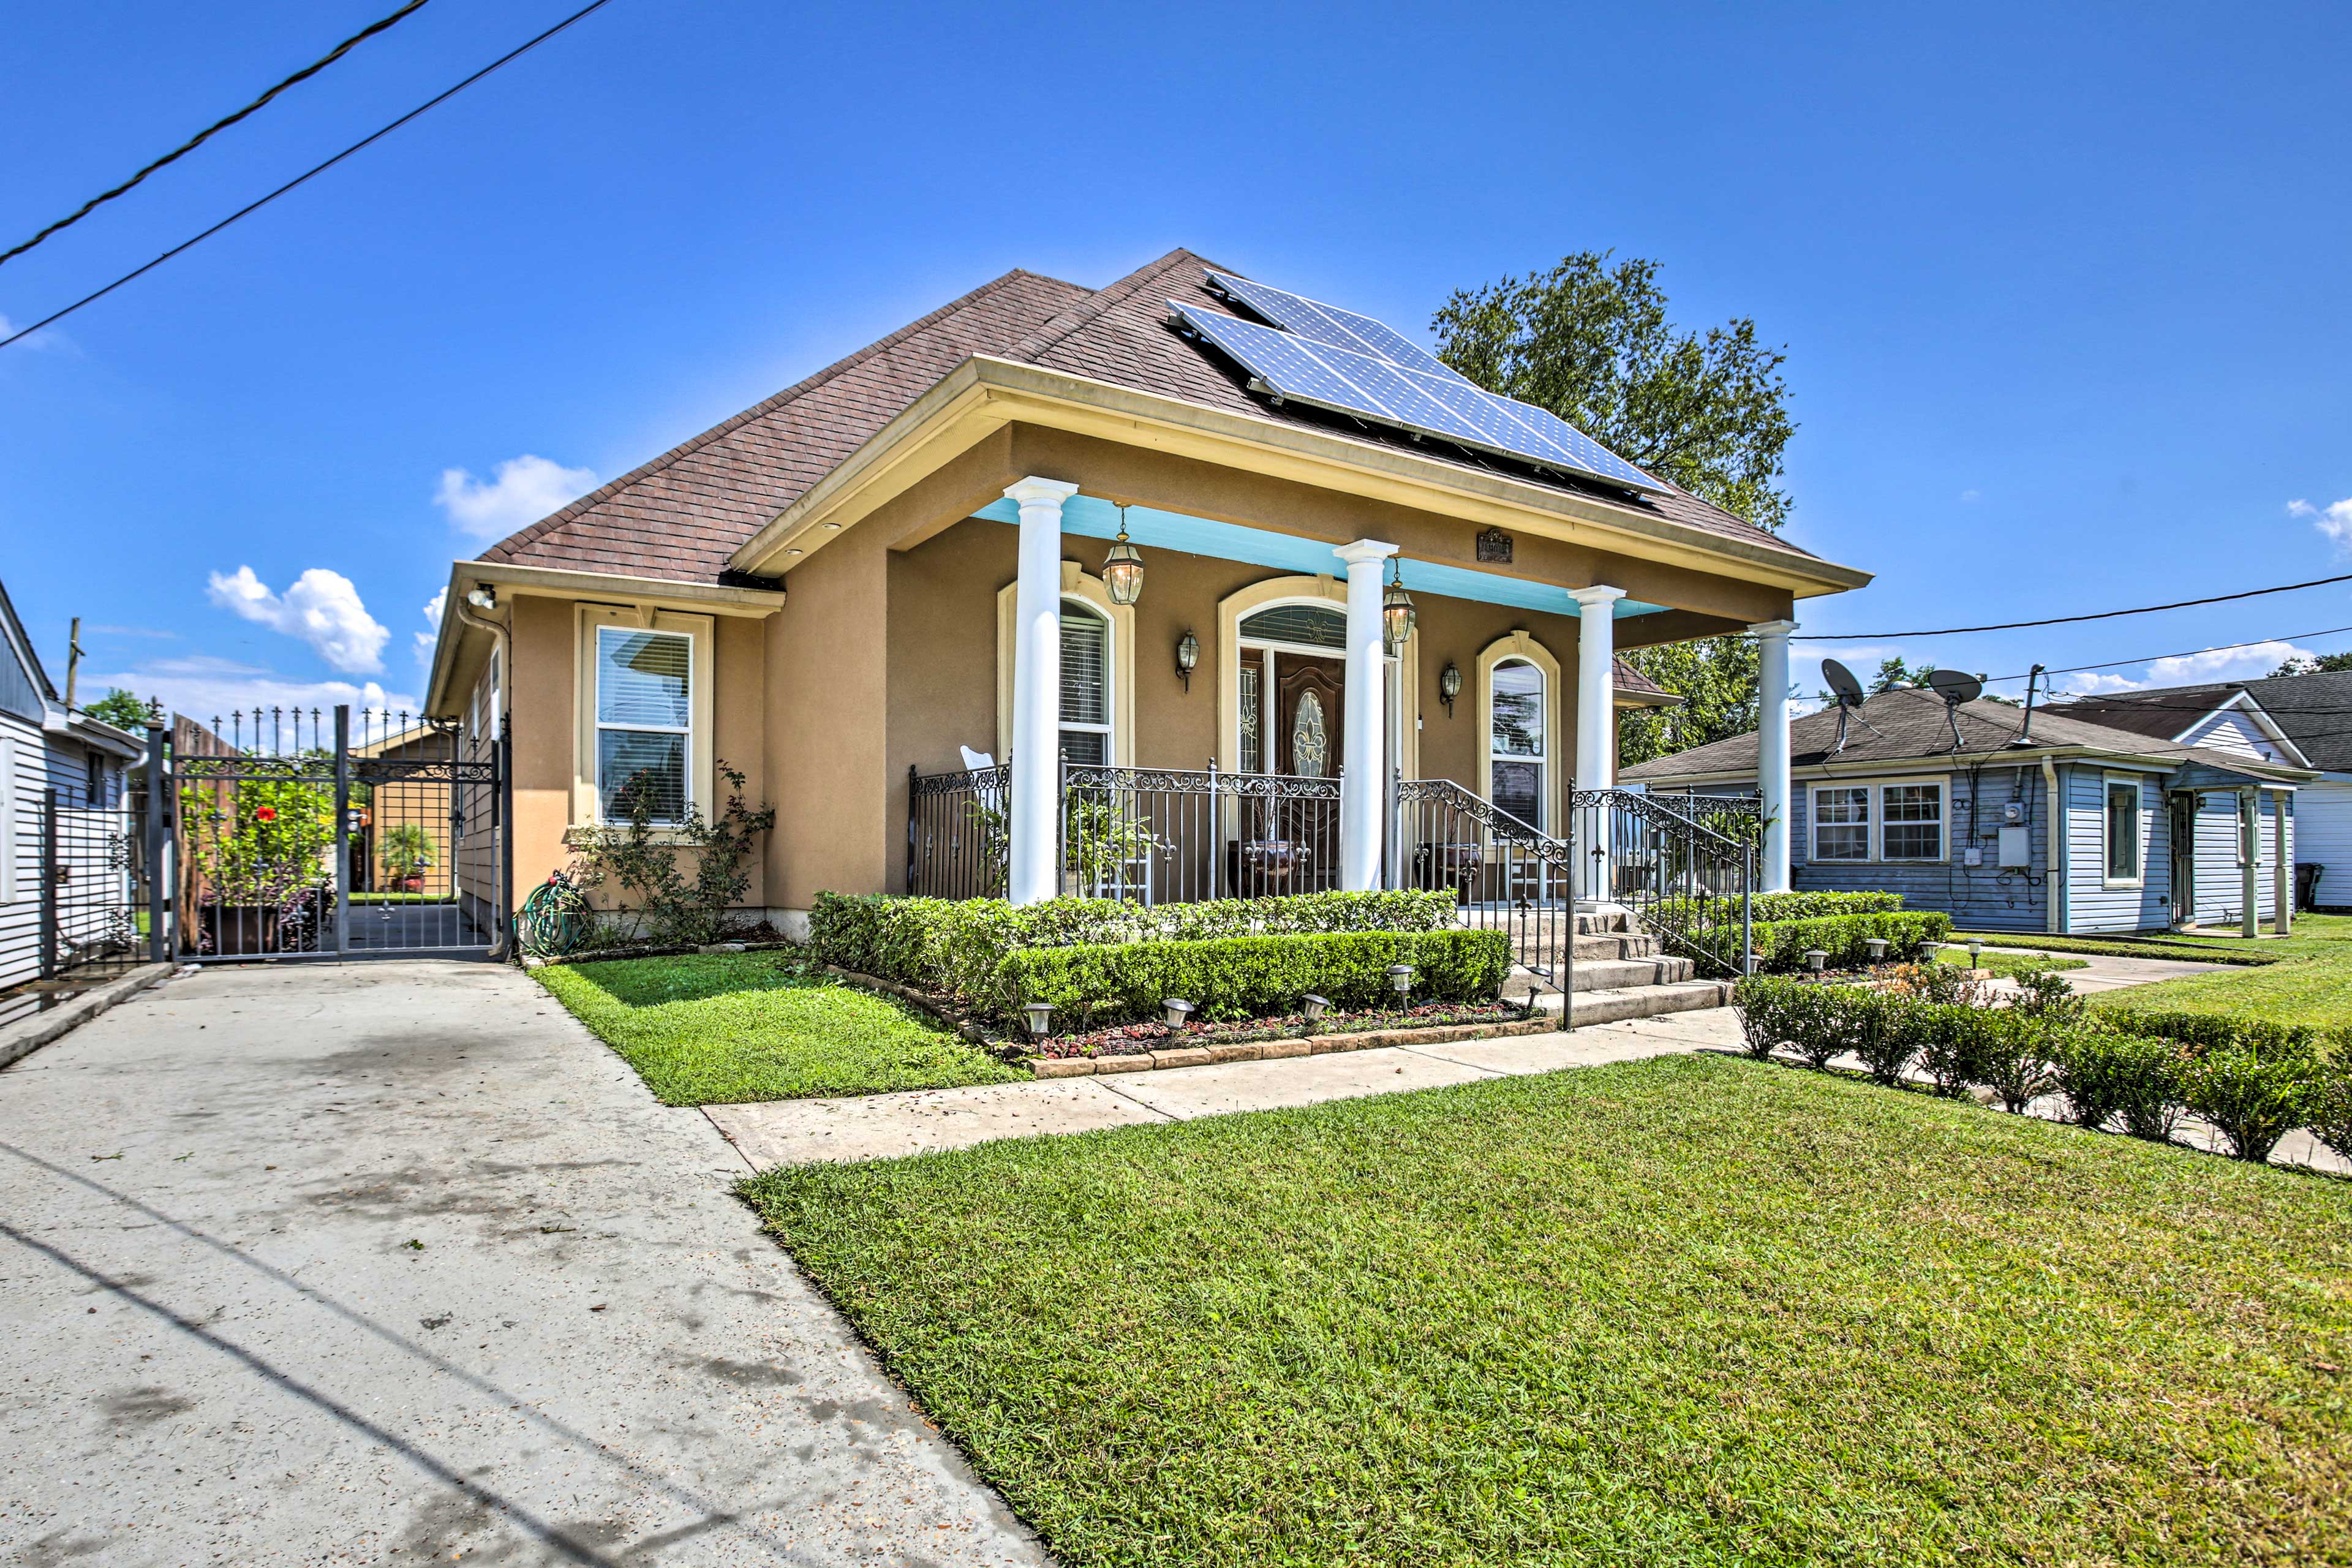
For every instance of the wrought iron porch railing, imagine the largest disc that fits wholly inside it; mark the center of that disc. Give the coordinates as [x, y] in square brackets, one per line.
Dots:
[1684, 867]
[1504, 874]
[957, 832]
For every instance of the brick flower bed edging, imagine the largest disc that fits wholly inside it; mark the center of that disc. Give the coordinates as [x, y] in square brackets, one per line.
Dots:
[1302, 1045]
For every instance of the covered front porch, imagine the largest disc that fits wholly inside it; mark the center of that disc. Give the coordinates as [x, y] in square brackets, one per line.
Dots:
[1481, 761]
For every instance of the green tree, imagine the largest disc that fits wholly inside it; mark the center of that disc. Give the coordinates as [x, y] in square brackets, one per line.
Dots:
[1592, 342]
[121, 709]
[2311, 664]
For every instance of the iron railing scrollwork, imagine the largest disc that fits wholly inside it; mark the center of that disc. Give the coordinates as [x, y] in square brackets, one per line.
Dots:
[1683, 867]
[1506, 874]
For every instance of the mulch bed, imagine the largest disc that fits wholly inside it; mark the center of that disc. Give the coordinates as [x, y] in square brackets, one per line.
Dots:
[1131, 1040]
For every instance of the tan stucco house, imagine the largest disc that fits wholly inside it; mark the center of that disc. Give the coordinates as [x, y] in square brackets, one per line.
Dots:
[899, 564]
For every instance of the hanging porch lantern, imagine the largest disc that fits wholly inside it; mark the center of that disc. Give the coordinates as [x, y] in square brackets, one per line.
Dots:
[1397, 614]
[1123, 567]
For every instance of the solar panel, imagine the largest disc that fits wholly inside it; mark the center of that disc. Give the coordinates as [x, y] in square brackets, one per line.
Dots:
[1333, 376]
[1329, 324]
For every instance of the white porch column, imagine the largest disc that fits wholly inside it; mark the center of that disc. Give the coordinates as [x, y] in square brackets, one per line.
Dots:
[1596, 727]
[2282, 865]
[1364, 743]
[1772, 750]
[1033, 748]
[2250, 844]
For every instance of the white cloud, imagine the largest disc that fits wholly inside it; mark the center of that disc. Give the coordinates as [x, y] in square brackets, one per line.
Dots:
[425, 639]
[205, 688]
[1972, 495]
[51, 339]
[2333, 520]
[323, 608]
[525, 489]
[2222, 663]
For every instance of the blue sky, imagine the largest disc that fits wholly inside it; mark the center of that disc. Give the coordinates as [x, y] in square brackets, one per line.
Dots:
[2063, 289]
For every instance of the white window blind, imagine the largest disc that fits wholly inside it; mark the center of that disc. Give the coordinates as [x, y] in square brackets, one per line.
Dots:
[644, 720]
[1085, 684]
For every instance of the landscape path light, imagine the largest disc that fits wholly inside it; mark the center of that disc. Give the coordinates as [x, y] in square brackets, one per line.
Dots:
[1175, 1009]
[1315, 1006]
[1401, 979]
[1816, 959]
[1041, 1019]
[1877, 945]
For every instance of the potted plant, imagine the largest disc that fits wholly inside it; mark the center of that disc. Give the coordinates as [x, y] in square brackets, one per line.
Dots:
[407, 850]
[263, 850]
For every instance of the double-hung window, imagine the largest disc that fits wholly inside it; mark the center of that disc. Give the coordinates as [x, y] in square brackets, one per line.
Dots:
[645, 722]
[2123, 831]
[1086, 683]
[1842, 821]
[1518, 749]
[1911, 822]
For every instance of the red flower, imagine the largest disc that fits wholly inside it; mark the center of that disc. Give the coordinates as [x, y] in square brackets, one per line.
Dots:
[265, 814]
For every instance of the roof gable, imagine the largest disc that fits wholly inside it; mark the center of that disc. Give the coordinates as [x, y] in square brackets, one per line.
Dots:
[681, 516]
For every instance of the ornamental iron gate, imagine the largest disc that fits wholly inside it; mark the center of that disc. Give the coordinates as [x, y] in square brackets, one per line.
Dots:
[303, 834]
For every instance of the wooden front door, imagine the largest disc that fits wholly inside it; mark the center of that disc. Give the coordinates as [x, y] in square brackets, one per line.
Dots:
[1310, 710]
[2183, 833]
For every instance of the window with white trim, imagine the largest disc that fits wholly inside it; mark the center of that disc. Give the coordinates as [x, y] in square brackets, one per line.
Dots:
[1911, 822]
[644, 721]
[1518, 749]
[1842, 821]
[1086, 683]
[2123, 831]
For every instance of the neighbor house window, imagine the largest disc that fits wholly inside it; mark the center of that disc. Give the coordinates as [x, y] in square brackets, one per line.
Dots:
[645, 720]
[1518, 749]
[1911, 822]
[2123, 831]
[1086, 683]
[1842, 822]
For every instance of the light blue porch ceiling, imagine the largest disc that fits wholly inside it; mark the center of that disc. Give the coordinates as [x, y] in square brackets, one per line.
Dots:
[1096, 519]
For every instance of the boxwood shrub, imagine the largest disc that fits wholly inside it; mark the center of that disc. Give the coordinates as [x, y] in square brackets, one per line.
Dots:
[1246, 976]
[1783, 906]
[1784, 944]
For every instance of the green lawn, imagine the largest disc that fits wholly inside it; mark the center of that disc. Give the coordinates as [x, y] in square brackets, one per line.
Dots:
[2310, 983]
[1690, 1311]
[2007, 963]
[724, 1028]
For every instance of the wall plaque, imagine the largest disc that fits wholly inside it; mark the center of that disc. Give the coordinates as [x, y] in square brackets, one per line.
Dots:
[1495, 545]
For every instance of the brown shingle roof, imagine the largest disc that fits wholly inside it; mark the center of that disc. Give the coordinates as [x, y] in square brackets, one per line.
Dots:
[682, 515]
[1907, 723]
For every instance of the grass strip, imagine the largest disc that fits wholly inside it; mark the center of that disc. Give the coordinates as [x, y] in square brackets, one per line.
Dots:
[731, 1027]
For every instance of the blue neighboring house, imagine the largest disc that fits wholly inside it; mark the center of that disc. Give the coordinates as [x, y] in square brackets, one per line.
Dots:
[1953, 808]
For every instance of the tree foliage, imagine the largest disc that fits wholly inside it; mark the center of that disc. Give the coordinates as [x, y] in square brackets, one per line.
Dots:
[1591, 341]
[121, 709]
[2314, 664]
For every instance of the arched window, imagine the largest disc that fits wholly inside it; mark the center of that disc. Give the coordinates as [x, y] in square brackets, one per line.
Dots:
[1518, 746]
[1086, 683]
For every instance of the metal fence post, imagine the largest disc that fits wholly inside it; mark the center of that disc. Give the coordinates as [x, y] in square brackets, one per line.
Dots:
[503, 843]
[49, 884]
[344, 824]
[1747, 914]
[159, 792]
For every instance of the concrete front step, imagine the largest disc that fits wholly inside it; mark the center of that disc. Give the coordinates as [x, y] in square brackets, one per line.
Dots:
[1645, 1001]
[1613, 973]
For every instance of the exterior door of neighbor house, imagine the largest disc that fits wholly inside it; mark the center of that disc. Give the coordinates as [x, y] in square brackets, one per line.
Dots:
[2182, 805]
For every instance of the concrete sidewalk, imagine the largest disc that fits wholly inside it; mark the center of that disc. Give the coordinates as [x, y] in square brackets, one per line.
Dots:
[392, 1261]
[873, 1127]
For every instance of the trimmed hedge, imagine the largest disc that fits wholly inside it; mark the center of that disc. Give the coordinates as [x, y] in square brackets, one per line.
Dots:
[1785, 906]
[955, 947]
[2253, 1082]
[1248, 976]
[1784, 944]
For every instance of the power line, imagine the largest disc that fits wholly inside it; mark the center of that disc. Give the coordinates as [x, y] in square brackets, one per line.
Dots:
[198, 140]
[518, 51]
[2189, 653]
[2065, 620]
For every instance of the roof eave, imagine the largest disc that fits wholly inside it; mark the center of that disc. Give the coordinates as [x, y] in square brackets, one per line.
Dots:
[987, 393]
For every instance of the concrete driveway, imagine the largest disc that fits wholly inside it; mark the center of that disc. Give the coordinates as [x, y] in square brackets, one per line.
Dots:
[394, 1262]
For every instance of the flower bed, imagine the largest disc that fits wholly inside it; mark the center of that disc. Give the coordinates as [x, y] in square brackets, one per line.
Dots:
[1128, 1039]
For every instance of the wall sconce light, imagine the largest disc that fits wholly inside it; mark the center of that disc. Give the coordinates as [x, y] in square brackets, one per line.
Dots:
[1397, 614]
[1188, 656]
[1123, 567]
[1449, 686]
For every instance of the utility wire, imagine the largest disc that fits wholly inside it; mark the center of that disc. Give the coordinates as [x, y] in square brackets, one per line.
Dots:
[198, 140]
[2189, 653]
[319, 169]
[2065, 620]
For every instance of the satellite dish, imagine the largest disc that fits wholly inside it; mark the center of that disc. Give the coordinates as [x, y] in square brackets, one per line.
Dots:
[1850, 697]
[1841, 681]
[1955, 689]
[1954, 686]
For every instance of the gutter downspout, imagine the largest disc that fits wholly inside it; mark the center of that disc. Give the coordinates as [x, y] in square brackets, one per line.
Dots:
[2053, 864]
[502, 643]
